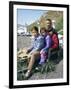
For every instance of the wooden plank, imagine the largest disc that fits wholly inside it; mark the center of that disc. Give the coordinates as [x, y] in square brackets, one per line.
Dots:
[22, 55]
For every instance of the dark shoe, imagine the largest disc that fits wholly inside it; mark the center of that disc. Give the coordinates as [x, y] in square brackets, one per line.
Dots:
[38, 67]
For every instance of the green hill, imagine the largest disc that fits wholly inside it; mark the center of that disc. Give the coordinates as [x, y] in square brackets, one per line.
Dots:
[53, 15]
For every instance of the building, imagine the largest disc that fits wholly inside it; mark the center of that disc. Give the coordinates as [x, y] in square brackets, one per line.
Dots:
[22, 29]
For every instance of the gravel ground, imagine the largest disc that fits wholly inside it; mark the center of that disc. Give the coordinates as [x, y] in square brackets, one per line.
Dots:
[24, 41]
[58, 73]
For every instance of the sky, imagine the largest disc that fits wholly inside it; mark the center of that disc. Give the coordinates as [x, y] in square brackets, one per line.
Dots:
[28, 16]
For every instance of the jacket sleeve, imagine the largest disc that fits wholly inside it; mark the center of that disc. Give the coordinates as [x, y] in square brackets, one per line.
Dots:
[40, 44]
[30, 49]
[48, 43]
[55, 41]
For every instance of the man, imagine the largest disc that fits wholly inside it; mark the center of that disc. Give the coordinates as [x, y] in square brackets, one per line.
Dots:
[44, 51]
[49, 25]
[54, 36]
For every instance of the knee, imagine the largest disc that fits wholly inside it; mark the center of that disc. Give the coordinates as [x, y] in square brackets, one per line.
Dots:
[33, 54]
[42, 53]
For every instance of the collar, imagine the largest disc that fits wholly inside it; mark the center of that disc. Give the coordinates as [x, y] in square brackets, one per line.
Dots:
[50, 29]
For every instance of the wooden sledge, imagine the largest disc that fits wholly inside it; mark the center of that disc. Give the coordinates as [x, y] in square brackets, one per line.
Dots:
[22, 55]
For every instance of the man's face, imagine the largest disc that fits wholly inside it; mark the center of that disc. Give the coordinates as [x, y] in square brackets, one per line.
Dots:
[34, 33]
[49, 24]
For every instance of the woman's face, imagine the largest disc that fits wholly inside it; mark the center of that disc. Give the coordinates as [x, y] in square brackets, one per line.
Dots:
[43, 32]
[34, 33]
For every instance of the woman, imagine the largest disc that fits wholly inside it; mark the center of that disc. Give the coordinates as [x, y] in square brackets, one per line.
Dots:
[34, 51]
[44, 51]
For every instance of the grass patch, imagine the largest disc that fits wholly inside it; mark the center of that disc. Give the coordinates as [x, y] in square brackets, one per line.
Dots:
[48, 67]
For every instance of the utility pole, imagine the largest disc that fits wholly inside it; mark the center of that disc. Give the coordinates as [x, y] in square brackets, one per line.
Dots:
[53, 23]
[38, 26]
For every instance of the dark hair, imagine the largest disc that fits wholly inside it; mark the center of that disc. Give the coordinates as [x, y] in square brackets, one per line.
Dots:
[35, 28]
[49, 20]
[43, 28]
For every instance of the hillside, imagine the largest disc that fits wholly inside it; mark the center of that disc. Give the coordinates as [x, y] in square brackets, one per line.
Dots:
[53, 15]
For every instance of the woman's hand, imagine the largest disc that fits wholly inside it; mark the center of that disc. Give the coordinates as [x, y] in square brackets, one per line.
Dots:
[41, 51]
[29, 55]
[25, 50]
